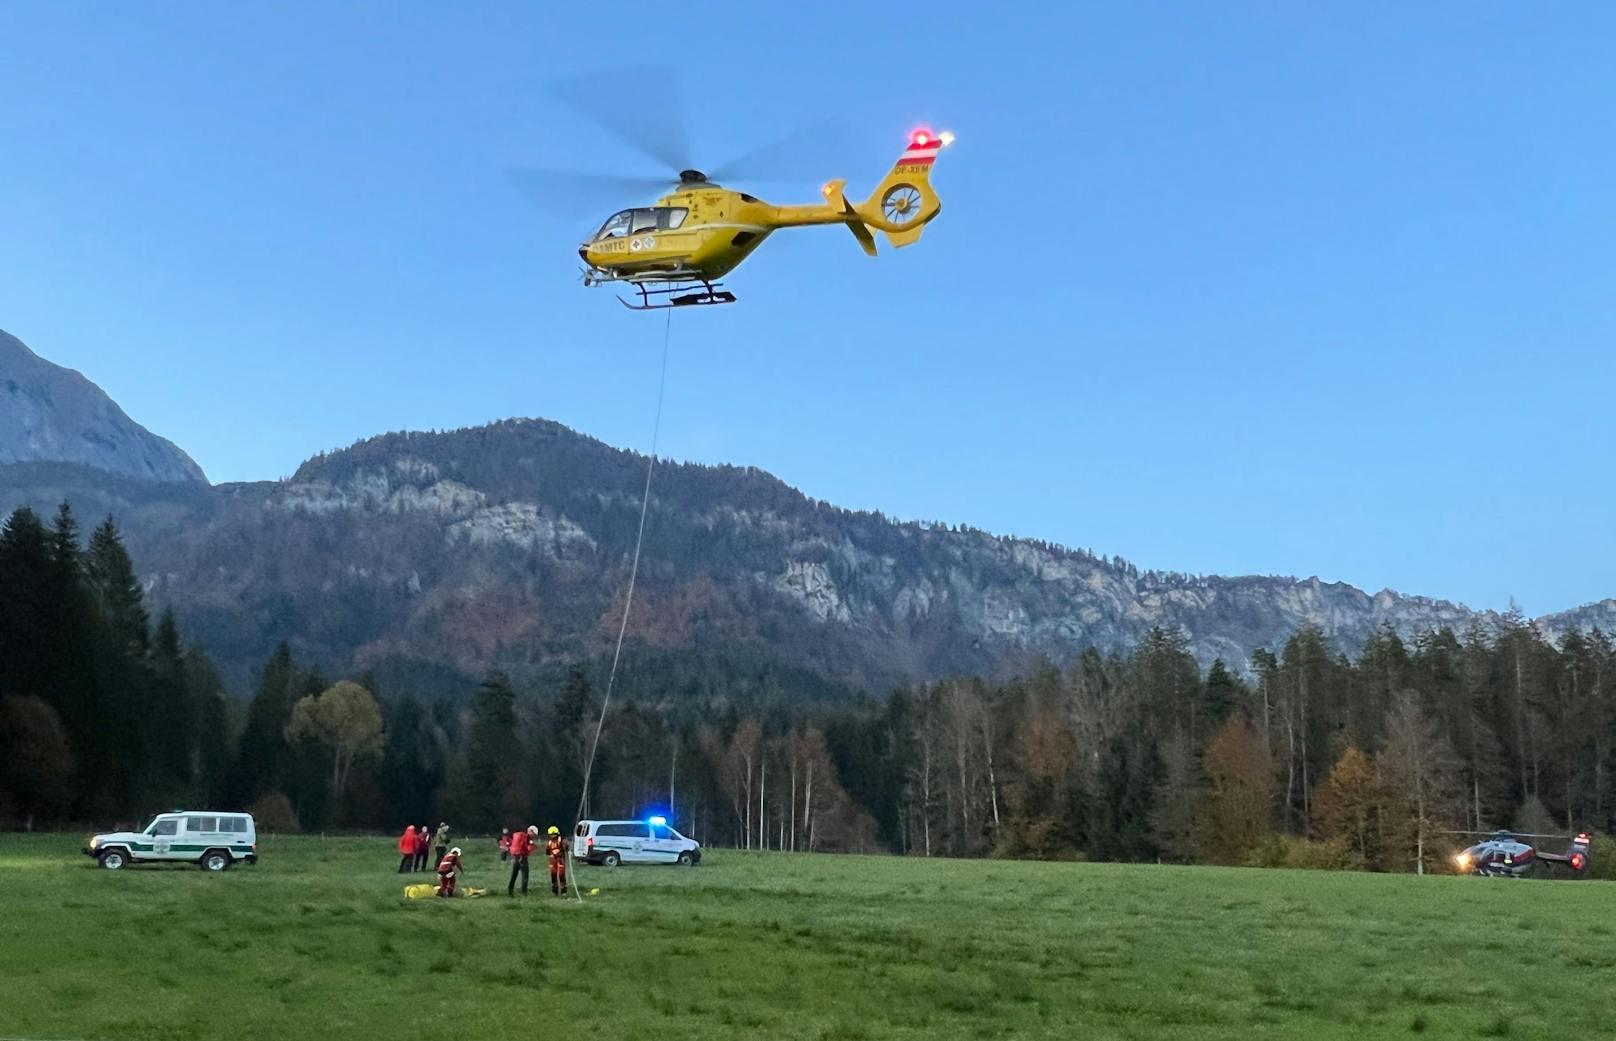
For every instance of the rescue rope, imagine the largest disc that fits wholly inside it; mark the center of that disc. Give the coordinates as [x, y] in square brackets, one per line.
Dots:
[628, 599]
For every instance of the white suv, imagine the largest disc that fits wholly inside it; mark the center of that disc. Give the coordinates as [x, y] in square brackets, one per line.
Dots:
[633, 842]
[209, 838]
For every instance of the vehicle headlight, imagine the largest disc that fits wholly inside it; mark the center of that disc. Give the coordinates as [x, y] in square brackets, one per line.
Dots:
[95, 841]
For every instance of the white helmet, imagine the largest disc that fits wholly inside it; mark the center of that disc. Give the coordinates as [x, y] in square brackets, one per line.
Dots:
[532, 829]
[455, 852]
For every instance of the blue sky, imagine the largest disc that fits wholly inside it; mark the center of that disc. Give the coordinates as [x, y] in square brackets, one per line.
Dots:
[1233, 288]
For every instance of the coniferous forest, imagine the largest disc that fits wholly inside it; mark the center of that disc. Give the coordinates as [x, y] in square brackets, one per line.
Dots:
[1312, 757]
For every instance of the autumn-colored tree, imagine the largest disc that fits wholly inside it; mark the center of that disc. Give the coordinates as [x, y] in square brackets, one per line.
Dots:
[1040, 821]
[346, 720]
[273, 813]
[1347, 807]
[1421, 775]
[36, 761]
[811, 777]
[1238, 805]
[738, 774]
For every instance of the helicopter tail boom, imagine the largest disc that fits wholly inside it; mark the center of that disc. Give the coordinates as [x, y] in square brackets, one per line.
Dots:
[847, 214]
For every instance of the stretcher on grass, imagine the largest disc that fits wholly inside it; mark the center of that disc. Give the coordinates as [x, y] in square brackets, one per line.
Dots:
[425, 890]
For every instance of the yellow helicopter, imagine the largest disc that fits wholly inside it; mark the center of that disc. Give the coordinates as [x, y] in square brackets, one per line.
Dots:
[675, 251]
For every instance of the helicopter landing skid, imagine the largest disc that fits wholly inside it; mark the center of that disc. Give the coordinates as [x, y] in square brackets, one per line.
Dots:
[706, 295]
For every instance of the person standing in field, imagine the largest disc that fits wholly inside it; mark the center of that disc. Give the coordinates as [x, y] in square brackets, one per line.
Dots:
[521, 848]
[443, 839]
[504, 845]
[449, 870]
[406, 846]
[555, 847]
[423, 848]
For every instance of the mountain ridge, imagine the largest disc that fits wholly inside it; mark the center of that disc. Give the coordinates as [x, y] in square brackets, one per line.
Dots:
[508, 544]
[443, 553]
[49, 413]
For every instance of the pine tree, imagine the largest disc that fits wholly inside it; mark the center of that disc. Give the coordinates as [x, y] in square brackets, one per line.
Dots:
[65, 551]
[408, 769]
[1119, 818]
[1167, 684]
[173, 719]
[1599, 680]
[1519, 649]
[487, 786]
[26, 639]
[112, 575]
[1178, 801]
[1312, 696]
[1221, 694]
[1479, 720]
[1383, 672]
[263, 761]
[563, 768]
[212, 748]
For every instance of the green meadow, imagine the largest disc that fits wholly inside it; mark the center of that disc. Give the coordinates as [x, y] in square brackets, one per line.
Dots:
[318, 941]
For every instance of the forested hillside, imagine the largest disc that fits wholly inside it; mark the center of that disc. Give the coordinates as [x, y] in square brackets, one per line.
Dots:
[429, 558]
[1320, 759]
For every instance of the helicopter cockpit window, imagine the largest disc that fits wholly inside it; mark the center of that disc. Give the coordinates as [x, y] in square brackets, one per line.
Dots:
[616, 227]
[670, 217]
[644, 220]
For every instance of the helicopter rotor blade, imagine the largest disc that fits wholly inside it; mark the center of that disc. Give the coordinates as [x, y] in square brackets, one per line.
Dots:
[568, 193]
[649, 120]
[781, 161]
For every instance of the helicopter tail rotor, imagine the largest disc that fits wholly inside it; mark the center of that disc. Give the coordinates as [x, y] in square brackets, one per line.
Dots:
[904, 202]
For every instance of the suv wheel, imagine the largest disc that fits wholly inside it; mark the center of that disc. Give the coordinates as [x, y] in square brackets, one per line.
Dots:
[113, 859]
[215, 860]
[611, 859]
[685, 858]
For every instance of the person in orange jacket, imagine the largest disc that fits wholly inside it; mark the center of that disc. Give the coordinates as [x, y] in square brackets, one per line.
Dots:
[555, 847]
[521, 848]
[406, 846]
[449, 869]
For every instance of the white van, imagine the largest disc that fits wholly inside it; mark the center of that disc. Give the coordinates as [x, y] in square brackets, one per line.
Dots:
[209, 838]
[633, 842]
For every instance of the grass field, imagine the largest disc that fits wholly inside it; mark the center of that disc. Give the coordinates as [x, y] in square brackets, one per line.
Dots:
[317, 941]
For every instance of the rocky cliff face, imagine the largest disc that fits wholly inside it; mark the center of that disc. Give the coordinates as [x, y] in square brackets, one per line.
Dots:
[52, 414]
[509, 545]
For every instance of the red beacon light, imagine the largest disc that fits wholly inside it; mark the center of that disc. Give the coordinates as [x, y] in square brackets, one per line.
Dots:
[924, 138]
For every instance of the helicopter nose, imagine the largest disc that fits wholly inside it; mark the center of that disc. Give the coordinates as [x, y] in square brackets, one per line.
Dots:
[583, 253]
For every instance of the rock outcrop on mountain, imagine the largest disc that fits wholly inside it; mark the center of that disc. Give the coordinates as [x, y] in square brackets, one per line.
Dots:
[54, 415]
[438, 555]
